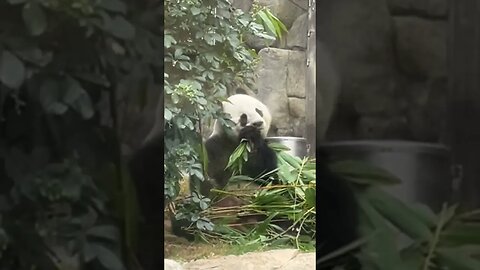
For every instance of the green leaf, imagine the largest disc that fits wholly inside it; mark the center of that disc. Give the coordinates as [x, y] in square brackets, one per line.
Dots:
[425, 214]
[34, 18]
[293, 161]
[278, 147]
[121, 28]
[195, 11]
[240, 178]
[399, 214]
[73, 91]
[57, 108]
[203, 205]
[204, 225]
[363, 173]
[278, 23]
[456, 259]
[12, 70]
[209, 39]
[35, 56]
[381, 242]
[50, 97]
[274, 20]
[412, 257]
[286, 175]
[77, 98]
[168, 115]
[267, 22]
[310, 197]
[263, 226]
[113, 5]
[168, 41]
[461, 233]
[237, 154]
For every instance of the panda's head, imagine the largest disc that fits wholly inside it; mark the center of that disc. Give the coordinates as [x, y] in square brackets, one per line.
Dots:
[245, 111]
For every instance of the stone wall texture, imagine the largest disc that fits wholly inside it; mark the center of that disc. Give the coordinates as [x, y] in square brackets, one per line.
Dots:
[391, 58]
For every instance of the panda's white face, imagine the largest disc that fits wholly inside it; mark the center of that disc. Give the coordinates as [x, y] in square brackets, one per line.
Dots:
[246, 111]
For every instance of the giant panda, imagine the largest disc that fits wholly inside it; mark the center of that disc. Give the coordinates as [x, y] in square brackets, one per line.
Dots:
[338, 210]
[252, 121]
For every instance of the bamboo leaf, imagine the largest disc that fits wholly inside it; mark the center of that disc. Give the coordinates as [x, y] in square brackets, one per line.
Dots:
[455, 259]
[461, 233]
[399, 214]
[363, 173]
[266, 21]
[381, 245]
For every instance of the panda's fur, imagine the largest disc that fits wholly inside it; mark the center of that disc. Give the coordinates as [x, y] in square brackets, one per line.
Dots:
[252, 122]
[337, 213]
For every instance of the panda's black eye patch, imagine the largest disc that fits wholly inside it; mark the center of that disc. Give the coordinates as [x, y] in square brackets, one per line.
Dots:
[259, 112]
[243, 120]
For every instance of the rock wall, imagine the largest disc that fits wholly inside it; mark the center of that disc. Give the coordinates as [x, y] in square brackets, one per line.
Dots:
[281, 86]
[391, 57]
[282, 67]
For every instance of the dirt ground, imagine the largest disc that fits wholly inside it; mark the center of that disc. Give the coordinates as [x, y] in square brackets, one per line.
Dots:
[220, 256]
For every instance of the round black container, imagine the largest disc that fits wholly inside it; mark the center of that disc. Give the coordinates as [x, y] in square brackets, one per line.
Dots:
[423, 168]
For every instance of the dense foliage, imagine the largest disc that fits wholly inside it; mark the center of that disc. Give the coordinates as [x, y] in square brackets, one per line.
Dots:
[63, 65]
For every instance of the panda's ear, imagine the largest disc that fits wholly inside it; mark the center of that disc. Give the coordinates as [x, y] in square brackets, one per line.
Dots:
[240, 91]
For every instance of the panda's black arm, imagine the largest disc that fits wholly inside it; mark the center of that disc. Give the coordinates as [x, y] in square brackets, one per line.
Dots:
[219, 150]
